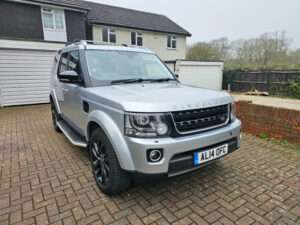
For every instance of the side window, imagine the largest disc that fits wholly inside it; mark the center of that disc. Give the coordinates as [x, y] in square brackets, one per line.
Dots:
[69, 61]
[74, 63]
[172, 42]
[63, 64]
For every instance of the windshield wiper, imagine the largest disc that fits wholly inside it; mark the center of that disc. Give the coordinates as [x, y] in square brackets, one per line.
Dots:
[139, 80]
[128, 81]
[162, 80]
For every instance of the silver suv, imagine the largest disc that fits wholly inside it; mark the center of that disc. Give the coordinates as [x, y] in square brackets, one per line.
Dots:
[134, 116]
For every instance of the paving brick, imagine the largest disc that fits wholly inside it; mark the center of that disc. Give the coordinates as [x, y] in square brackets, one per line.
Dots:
[46, 180]
[134, 220]
[213, 217]
[42, 219]
[151, 218]
[296, 210]
[245, 220]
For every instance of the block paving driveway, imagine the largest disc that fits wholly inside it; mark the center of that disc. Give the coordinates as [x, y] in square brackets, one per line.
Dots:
[45, 180]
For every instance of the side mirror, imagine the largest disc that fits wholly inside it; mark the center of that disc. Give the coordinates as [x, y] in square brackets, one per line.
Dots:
[69, 75]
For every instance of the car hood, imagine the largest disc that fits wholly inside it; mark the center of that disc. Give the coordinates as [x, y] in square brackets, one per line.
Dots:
[158, 97]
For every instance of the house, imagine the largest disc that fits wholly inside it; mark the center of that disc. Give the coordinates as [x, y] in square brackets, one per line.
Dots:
[31, 31]
[132, 27]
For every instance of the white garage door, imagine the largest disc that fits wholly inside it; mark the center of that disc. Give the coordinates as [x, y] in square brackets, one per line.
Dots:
[25, 76]
[202, 74]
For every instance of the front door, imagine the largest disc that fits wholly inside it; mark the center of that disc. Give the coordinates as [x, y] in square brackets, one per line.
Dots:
[71, 102]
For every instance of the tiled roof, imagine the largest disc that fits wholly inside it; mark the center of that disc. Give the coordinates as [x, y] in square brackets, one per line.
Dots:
[118, 16]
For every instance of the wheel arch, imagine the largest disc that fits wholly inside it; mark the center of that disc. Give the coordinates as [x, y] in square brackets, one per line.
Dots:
[99, 119]
[53, 100]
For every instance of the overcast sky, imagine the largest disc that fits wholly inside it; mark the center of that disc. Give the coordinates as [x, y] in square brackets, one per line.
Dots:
[211, 19]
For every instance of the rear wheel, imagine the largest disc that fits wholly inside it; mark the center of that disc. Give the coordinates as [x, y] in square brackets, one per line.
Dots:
[109, 176]
[55, 118]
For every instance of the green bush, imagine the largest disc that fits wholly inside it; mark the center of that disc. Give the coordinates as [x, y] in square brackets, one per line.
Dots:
[295, 89]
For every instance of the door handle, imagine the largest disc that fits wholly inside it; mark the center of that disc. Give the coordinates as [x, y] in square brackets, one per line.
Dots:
[65, 89]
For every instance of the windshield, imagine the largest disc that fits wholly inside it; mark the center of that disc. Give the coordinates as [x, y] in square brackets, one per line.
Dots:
[105, 65]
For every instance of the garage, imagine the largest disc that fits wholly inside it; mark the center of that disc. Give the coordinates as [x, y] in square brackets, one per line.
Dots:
[25, 73]
[204, 74]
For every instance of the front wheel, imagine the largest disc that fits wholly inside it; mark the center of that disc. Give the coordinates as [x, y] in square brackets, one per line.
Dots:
[109, 176]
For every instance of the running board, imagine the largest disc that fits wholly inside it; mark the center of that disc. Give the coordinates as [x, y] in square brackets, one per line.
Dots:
[72, 136]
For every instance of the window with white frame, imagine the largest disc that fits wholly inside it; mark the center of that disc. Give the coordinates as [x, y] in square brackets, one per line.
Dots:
[53, 19]
[137, 38]
[172, 42]
[109, 35]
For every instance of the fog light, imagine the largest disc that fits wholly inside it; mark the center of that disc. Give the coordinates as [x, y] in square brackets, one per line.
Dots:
[154, 155]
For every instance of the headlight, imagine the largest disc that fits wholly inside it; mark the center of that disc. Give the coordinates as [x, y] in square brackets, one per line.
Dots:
[233, 111]
[147, 125]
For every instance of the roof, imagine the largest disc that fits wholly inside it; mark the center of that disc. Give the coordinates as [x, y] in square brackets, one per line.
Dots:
[122, 17]
[64, 3]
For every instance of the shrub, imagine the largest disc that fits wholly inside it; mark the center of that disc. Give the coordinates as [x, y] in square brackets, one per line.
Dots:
[295, 89]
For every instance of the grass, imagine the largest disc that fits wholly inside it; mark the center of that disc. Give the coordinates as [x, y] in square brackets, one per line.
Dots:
[286, 144]
[283, 143]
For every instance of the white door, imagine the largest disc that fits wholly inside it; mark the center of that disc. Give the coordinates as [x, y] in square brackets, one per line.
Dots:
[25, 76]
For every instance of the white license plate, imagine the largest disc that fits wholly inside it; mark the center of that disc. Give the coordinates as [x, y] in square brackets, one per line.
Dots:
[210, 154]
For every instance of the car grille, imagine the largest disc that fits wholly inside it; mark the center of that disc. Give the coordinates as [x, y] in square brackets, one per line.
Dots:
[196, 120]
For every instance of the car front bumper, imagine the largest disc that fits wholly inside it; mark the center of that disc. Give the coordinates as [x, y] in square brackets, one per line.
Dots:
[178, 152]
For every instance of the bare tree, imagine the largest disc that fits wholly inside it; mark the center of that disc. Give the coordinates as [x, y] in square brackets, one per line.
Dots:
[267, 50]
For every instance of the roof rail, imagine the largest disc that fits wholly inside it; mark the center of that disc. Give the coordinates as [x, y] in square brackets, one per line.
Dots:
[86, 42]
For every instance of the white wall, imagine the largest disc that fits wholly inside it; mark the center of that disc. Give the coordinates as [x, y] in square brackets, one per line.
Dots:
[198, 73]
[155, 41]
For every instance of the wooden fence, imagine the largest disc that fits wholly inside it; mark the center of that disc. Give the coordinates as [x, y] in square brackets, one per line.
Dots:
[274, 82]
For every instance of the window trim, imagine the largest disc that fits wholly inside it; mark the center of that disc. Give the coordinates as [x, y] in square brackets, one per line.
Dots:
[137, 35]
[172, 38]
[53, 11]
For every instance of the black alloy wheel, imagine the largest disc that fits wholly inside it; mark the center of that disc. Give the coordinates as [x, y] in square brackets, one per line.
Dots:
[109, 176]
[100, 164]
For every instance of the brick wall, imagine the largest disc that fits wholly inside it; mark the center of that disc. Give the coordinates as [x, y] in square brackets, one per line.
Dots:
[274, 122]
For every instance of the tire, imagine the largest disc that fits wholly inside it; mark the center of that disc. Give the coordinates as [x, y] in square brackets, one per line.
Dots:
[55, 118]
[108, 174]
